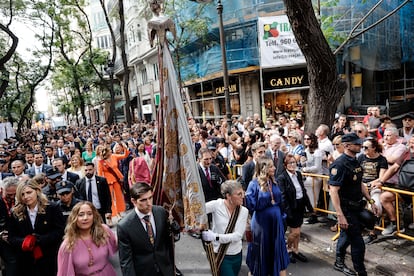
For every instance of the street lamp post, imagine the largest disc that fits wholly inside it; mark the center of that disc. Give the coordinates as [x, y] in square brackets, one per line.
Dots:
[110, 70]
[223, 58]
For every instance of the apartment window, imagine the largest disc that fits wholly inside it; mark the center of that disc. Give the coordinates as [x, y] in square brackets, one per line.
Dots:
[103, 42]
[155, 67]
[144, 76]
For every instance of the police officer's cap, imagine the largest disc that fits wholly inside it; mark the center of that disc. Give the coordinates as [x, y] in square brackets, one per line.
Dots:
[53, 173]
[64, 186]
[351, 138]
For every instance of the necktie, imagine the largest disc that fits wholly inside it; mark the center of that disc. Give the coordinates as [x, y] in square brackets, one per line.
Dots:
[38, 170]
[275, 159]
[60, 152]
[208, 178]
[90, 190]
[149, 229]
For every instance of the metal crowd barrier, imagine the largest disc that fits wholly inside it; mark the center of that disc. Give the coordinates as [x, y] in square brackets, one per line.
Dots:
[325, 190]
[236, 171]
[397, 192]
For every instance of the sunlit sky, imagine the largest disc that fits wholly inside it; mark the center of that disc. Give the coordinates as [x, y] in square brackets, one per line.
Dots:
[26, 35]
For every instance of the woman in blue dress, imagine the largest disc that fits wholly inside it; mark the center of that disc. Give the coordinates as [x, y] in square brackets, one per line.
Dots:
[267, 253]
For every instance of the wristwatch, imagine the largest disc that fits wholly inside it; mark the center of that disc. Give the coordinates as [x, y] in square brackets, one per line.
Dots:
[217, 238]
[371, 201]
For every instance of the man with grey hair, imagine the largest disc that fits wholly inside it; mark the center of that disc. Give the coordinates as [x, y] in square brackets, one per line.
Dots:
[276, 154]
[7, 252]
[325, 145]
[361, 130]
[394, 152]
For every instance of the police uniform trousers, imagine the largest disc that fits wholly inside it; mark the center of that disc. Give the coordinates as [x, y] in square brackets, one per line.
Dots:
[353, 236]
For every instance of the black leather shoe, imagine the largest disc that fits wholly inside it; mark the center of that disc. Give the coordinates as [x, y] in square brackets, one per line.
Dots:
[178, 272]
[292, 258]
[341, 266]
[299, 256]
[312, 220]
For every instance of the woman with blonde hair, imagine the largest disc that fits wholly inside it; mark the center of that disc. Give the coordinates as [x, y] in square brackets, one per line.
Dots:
[88, 244]
[98, 151]
[108, 168]
[267, 253]
[77, 165]
[36, 230]
[89, 154]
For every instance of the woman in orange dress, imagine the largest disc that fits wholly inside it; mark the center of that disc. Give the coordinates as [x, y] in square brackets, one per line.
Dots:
[108, 168]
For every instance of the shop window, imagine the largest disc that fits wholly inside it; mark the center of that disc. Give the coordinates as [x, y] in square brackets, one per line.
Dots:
[207, 106]
[234, 105]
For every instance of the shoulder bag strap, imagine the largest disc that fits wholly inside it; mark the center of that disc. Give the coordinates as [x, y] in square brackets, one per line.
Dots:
[230, 228]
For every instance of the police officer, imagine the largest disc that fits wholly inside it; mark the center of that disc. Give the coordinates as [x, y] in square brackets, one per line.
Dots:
[64, 190]
[347, 192]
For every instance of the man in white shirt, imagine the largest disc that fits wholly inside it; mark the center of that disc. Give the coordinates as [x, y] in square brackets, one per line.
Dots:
[325, 145]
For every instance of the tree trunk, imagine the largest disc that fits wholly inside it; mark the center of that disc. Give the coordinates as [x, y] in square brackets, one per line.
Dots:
[110, 118]
[125, 81]
[4, 73]
[326, 88]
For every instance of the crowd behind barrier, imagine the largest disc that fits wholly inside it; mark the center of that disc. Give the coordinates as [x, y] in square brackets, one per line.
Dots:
[37, 153]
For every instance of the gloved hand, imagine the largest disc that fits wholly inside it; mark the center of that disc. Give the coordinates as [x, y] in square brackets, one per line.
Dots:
[208, 235]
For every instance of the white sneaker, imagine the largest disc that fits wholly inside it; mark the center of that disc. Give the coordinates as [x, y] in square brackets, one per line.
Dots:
[390, 230]
[411, 226]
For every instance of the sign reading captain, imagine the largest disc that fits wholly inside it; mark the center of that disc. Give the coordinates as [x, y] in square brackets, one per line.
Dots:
[278, 47]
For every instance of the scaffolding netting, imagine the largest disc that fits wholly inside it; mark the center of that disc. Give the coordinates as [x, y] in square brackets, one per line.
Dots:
[384, 47]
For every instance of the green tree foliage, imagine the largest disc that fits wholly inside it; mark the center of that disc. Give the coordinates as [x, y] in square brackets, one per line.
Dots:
[76, 57]
[26, 74]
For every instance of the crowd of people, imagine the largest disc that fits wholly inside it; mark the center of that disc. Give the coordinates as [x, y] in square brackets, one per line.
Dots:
[72, 185]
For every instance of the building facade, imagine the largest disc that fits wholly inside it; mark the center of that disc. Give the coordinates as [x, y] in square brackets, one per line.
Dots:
[378, 64]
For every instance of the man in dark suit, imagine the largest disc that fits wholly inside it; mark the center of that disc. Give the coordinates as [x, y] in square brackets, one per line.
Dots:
[95, 189]
[144, 237]
[276, 154]
[59, 164]
[49, 155]
[38, 165]
[4, 169]
[211, 176]
[258, 151]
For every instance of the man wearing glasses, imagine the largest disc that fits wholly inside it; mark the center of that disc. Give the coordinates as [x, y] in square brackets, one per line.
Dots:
[407, 130]
[211, 176]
